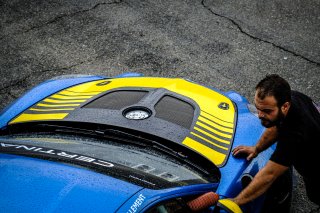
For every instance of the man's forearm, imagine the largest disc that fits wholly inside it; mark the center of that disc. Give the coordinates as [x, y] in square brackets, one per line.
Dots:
[257, 187]
[260, 183]
[268, 138]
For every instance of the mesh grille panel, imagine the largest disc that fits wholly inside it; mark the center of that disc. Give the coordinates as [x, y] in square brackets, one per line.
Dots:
[174, 110]
[117, 100]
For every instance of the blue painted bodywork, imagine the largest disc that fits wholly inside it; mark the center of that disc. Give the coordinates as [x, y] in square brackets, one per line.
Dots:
[248, 131]
[35, 185]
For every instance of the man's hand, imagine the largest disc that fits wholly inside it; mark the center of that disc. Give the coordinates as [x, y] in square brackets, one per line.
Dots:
[245, 151]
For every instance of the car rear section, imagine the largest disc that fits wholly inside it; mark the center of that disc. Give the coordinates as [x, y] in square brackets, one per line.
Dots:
[194, 126]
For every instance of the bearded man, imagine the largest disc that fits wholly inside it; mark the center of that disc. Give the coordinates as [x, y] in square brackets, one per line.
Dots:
[292, 120]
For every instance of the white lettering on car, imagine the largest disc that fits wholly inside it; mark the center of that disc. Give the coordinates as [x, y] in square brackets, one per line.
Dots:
[57, 153]
[26, 148]
[63, 154]
[103, 163]
[137, 203]
[17, 146]
[45, 151]
[86, 159]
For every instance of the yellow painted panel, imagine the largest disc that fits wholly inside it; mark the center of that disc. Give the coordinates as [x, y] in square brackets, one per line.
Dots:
[216, 157]
[34, 117]
[212, 136]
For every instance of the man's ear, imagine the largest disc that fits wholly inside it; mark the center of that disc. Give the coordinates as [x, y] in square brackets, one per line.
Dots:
[285, 107]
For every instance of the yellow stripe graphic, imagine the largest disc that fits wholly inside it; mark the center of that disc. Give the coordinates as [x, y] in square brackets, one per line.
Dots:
[64, 101]
[216, 120]
[34, 117]
[77, 95]
[56, 105]
[216, 157]
[208, 122]
[217, 145]
[49, 110]
[71, 97]
[67, 92]
[212, 136]
[229, 136]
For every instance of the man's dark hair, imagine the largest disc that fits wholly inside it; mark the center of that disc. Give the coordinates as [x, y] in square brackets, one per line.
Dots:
[274, 85]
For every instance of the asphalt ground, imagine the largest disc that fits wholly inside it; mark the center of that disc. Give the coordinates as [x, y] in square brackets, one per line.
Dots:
[229, 45]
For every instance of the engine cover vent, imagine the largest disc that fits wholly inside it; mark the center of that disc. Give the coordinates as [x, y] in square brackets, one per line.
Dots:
[117, 100]
[175, 110]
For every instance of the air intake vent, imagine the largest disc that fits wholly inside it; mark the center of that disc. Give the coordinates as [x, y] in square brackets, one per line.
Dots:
[175, 110]
[117, 99]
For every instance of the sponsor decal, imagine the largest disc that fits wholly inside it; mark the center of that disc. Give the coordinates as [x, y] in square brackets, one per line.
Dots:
[224, 106]
[54, 152]
[103, 83]
[137, 203]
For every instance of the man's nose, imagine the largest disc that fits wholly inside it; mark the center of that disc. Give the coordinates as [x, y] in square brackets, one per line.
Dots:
[260, 114]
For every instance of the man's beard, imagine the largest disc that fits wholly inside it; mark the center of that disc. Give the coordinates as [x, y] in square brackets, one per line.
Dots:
[268, 123]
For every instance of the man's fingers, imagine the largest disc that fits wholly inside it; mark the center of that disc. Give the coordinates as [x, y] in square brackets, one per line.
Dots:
[239, 153]
[237, 149]
[242, 152]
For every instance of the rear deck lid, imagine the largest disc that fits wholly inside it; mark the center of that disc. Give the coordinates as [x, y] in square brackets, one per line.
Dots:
[177, 110]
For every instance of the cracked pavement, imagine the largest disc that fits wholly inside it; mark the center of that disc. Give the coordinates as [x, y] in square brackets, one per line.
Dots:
[229, 45]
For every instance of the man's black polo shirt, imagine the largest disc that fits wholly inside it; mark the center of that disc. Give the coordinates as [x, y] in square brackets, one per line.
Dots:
[298, 139]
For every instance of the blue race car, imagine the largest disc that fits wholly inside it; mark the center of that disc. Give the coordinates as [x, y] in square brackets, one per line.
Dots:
[130, 144]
